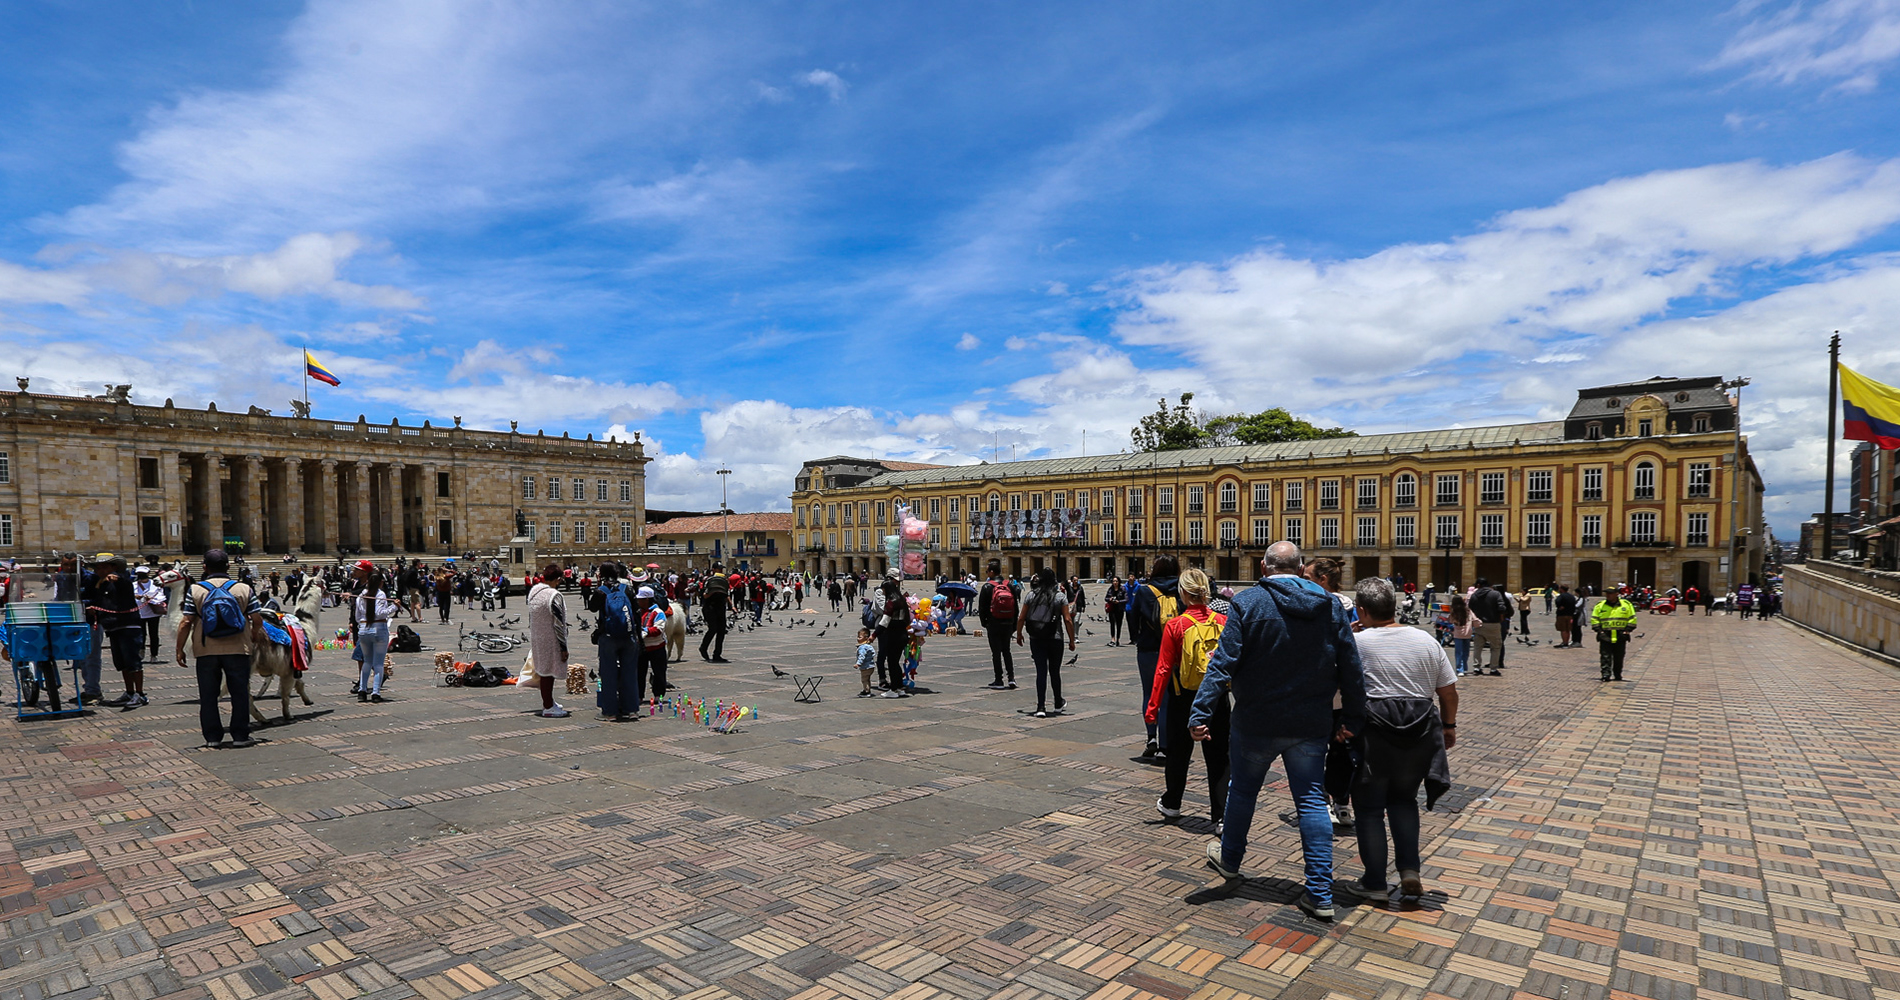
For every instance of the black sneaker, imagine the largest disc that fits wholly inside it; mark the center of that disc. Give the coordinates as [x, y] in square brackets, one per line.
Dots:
[1011, 686]
[1314, 908]
[995, 686]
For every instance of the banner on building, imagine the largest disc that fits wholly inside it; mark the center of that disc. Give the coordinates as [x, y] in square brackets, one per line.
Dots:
[1024, 525]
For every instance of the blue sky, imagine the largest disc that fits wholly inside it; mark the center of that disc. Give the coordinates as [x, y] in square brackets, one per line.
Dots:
[761, 233]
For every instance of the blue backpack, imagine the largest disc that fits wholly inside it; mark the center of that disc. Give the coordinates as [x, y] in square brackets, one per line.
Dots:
[616, 611]
[221, 614]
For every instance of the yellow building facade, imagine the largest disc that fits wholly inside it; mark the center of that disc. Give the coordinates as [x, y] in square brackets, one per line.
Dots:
[1640, 484]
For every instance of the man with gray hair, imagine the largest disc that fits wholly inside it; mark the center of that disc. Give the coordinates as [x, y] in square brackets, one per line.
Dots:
[1404, 740]
[1286, 651]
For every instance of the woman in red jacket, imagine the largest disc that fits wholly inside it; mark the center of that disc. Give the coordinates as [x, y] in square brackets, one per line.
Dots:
[1186, 642]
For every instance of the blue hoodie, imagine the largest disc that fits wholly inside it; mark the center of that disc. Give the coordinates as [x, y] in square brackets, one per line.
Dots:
[1287, 648]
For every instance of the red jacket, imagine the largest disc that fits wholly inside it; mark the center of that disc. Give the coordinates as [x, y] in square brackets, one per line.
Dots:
[1170, 656]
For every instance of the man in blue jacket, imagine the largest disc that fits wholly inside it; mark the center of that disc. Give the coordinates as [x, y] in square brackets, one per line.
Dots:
[1286, 650]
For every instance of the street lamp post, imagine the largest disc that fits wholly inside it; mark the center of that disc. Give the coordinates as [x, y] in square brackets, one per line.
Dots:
[725, 517]
[1734, 479]
[1450, 542]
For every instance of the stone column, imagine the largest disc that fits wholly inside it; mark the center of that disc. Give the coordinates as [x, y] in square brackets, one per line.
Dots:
[251, 522]
[214, 499]
[293, 505]
[428, 506]
[395, 508]
[172, 509]
[363, 476]
[329, 530]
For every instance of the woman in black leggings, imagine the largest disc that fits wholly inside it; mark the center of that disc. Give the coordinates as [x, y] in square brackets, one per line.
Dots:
[891, 639]
[1116, 602]
[1047, 616]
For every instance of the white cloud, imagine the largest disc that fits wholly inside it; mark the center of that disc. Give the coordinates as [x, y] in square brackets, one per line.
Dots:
[304, 265]
[705, 188]
[1847, 41]
[1596, 263]
[969, 342]
[832, 83]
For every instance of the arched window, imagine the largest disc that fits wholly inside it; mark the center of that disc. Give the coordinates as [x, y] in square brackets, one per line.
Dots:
[1645, 485]
[1229, 497]
[1405, 490]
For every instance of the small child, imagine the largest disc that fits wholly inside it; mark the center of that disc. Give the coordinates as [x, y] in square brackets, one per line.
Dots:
[867, 662]
[914, 650]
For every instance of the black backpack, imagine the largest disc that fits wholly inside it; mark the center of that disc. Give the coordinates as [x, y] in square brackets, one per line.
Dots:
[405, 641]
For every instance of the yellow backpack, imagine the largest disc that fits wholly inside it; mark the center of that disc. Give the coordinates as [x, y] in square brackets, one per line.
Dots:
[1197, 645]
[1167, 608]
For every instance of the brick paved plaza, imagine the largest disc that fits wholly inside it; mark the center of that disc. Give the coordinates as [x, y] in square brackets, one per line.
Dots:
[1724, 825]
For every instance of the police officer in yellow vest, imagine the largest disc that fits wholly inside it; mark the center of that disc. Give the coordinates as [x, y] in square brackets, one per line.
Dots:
[1613, 619]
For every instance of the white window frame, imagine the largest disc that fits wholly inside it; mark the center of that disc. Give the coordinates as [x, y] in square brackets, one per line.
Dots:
[1108, 532]
[6, 467]
[1491, 487]
[601, 491]
[1164, 532]
[1643, 481]
[1164, 501]
[1293, 495]
[1294, 530]
[1366, 530]
[1196, 531]
[1590, 531]
[1134, 532]
[1329, 494]
[1262, 531]
[1701, 479]
[1697, 532]
[1446, 527]
[1490, 531]
[1329, 532]
[626, 532]
[1405, 490]
[604, 532]
[956, 537]
[1592, 483]
[1643, 525]
[554, 532]
[1229, 534]
[1196, 500]
[6, 531]
[626, 491]
[1263, 496]
[1405, 531]
[527, 488]
[1082, 500]
[1137, 500]
[1537, 531]
[554, 488]
[580, 532]
[1540, 486]
[1229, 497]
[1448, 489]
[1366, 493]
[579, 492]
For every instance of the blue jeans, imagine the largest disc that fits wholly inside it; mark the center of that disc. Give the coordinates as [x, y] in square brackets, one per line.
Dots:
[758, 608]
[619, 675]
[373, 640]
[1462, 648]
[1305, 758]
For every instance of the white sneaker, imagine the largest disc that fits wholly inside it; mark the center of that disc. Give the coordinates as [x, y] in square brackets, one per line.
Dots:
[1165, 811]
[557, 712]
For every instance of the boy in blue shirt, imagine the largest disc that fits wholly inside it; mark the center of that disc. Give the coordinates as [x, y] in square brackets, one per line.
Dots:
[867, 662]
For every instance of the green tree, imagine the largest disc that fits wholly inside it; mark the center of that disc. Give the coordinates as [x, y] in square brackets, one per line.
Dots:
[1267, 427]
[1170, 429]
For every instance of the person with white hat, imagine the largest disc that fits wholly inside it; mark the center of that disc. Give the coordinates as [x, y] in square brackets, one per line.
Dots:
[652, 611]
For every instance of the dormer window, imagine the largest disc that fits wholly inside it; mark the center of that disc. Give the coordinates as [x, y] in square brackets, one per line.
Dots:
[1593, 432]
[1701, 423]
[1645, 427]
[1613, 403]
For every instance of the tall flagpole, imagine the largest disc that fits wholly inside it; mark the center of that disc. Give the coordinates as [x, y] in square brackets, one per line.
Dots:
[306, 379]
[1833, 413]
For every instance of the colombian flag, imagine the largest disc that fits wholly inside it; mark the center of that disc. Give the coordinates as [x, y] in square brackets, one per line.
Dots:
[322, 374]
[1870, 409]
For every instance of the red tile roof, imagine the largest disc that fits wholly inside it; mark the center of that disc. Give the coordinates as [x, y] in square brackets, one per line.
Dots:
[714, 524]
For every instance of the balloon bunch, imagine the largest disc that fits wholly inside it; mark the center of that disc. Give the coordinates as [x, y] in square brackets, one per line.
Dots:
[909, 529]
[330, 644]
[718, 716]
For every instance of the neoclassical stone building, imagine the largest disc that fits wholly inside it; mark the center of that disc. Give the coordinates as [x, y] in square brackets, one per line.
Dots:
[94, 473]
[1645, 483]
